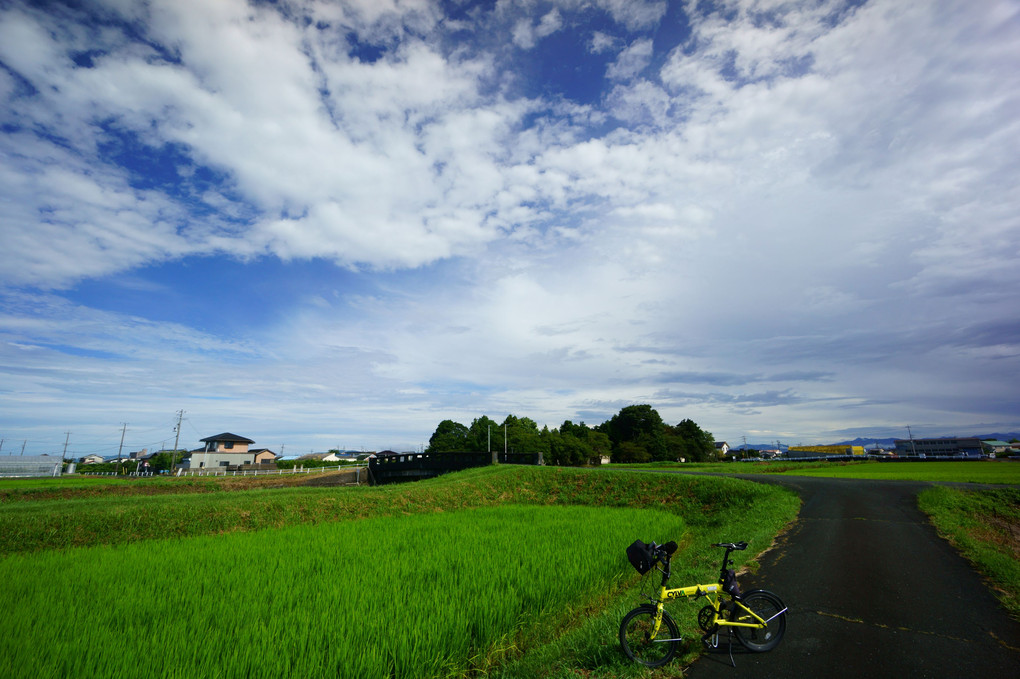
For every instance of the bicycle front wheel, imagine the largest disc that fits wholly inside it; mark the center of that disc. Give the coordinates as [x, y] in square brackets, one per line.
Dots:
[767, 606]
[638, 642]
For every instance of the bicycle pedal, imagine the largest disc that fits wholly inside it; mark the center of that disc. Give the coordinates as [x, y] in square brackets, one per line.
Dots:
[710, 640]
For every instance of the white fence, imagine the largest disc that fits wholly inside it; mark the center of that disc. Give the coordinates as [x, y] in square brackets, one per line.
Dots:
[236, 472]
[266, 472]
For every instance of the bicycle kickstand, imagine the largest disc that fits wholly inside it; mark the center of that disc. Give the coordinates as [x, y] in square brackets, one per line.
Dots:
[711, 640]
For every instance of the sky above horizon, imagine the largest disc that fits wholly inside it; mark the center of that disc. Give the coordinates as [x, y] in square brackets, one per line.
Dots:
[320, 224]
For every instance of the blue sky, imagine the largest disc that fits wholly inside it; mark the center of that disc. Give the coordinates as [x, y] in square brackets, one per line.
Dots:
[339, 223]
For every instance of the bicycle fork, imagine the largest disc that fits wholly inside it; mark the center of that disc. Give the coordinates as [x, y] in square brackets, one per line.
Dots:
[659, 612]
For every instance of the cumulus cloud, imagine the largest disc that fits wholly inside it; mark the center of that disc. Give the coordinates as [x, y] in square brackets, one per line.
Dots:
[332, 152]
[789, 211]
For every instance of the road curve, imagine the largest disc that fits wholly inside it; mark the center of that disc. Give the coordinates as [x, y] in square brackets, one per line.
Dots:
[872, 592]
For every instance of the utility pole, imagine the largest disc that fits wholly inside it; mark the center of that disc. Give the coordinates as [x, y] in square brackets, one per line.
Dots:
[177, 438]
[66, 439]
[23, 446]
[119, 450]
[913, 451]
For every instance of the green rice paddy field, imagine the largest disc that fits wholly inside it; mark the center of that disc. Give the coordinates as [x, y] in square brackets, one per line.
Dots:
[1004, 472]
[470, 574]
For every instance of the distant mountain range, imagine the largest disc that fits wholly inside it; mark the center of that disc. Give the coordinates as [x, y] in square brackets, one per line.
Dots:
[889, 443]
[876, 443]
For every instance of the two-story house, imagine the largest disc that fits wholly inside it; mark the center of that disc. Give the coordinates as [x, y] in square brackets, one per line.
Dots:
[223, 450]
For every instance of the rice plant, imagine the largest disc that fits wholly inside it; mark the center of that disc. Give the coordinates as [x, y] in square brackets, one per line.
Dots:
[420, 595]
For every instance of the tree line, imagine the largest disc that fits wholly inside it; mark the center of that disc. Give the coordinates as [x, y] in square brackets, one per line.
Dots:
[636, 434]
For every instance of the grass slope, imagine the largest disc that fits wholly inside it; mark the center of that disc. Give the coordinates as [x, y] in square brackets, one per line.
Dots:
[984, 525]
[114, 518]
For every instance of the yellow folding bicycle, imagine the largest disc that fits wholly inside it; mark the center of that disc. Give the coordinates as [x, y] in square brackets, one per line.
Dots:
[650, 636]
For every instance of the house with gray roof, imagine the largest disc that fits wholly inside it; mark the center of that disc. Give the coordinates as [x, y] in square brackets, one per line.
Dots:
[223, 450]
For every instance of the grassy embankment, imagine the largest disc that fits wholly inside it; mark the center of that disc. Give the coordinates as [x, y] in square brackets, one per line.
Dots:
[530, 562]
[984, 525]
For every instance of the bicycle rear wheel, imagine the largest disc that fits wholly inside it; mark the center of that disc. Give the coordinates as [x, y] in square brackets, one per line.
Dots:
[767, 606]
[639, 644]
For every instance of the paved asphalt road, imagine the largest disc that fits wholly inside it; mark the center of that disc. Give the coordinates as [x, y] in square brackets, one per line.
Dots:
[872, 592]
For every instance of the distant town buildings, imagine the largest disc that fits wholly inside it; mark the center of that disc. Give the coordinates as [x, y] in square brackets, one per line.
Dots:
[947, 447]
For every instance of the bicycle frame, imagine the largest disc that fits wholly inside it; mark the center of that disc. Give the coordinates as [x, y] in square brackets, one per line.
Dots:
[711, 592]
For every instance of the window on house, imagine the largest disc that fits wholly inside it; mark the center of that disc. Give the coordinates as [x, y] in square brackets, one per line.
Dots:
[228, 445]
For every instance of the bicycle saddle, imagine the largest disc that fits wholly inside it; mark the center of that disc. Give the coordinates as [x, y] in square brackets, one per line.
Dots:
[737, 546]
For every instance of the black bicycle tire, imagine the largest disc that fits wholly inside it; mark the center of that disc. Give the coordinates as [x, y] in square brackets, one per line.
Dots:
[637, 653]
[766, 604]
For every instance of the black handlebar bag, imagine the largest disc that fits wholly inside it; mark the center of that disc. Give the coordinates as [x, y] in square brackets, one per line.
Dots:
[641, 556]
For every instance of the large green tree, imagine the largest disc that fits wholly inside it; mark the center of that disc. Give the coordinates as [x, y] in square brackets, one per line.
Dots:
[449, 436]
[643, 428]
[689, 441]
[484, 432]
[566, 449]
[579, 444]
[523, 436]
[635, 434]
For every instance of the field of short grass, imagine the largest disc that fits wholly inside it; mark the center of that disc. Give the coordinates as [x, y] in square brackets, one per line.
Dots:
[976, 471]
[968, 471]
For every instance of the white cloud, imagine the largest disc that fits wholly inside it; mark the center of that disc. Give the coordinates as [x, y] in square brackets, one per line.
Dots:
[631, 61]
[634, 14]
[405, 145]
[601, 42]
[527, 34]
[826, 192]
